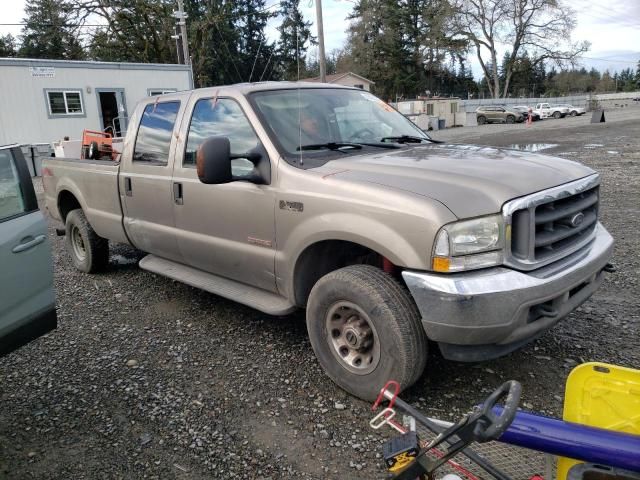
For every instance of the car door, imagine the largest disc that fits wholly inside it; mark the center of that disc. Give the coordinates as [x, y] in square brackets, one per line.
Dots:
[145, 179]
[27, 300]
[226, 229]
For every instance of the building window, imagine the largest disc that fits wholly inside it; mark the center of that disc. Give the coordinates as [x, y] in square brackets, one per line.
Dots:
[429, 108]
[65, 102]
[360, 86]
[454, 107]
[155, 133]
[153, 92]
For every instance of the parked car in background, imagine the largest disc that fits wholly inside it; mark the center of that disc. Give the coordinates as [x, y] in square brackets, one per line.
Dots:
[524, 110]
[573, 111]
[497, 114]
[27, 301]
[545, 111]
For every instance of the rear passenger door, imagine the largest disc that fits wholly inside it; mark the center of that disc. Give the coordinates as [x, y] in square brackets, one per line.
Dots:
[27, 300]
[145, 179]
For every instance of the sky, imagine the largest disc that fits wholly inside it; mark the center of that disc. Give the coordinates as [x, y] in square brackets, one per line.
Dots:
[612, 27]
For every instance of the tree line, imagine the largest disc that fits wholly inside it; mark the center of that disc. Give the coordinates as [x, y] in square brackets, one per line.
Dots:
[408, 48]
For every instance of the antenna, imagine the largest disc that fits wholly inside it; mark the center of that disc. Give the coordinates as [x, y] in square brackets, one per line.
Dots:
[299, 106]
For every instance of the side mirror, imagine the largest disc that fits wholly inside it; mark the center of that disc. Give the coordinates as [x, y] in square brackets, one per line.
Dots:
[213, 161]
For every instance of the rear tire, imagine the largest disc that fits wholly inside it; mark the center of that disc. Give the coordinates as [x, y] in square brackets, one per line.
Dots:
[365, 330]
[511, 119]
[482, 120]
[89, 252]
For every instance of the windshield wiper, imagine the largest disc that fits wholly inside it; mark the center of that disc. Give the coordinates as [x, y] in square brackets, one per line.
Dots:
[329, 146]
[409, 139]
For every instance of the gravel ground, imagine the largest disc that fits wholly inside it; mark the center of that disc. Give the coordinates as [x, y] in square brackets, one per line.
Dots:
[149, 378]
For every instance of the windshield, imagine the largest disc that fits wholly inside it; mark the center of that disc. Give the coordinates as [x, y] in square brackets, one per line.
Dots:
[306, 120]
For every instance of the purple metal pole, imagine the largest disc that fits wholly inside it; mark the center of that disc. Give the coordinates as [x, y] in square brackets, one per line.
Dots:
[589, 444]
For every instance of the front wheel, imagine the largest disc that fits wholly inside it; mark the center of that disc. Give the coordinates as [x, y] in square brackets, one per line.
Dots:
[574, 113]
[89, 252]
[556, 115]
[365, 330]
[482, 120]
[511, 119]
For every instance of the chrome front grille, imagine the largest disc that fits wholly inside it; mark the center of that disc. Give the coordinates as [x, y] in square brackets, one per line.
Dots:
[551, 224]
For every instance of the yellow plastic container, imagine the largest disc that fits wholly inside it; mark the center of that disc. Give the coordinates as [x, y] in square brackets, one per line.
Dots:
[604, 396]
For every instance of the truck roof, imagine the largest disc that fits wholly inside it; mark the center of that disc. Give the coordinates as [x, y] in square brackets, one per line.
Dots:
[245, 88]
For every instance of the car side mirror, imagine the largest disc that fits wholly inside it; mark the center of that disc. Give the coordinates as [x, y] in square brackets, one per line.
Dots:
[213, 161]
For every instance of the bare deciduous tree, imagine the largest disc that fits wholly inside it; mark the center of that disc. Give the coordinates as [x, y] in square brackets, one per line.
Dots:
[542, 28]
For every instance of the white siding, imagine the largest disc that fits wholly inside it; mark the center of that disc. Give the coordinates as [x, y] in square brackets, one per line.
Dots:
[351, 81]
[24, 116]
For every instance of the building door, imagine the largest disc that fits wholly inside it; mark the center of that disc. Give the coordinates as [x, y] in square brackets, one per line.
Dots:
[112, 110]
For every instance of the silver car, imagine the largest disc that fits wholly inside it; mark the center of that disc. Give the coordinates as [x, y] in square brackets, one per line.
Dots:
[26, 278]
[573, 111]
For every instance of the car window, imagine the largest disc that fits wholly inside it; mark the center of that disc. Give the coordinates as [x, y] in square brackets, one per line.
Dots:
[155, 132]
[11, 196]
[220, 117]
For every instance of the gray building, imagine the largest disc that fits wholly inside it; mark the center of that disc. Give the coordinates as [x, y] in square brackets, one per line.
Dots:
[45, 100]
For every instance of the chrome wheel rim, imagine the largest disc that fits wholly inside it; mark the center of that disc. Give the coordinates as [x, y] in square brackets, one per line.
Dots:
[352, 337]
[79, 249]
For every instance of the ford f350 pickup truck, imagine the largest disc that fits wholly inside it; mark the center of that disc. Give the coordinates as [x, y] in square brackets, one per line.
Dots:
[292, 195]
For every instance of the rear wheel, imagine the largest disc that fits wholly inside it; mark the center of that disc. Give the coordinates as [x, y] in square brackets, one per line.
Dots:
[511, 119]
[482, 120]
[89, 252]
[365, 330]
[556, 115]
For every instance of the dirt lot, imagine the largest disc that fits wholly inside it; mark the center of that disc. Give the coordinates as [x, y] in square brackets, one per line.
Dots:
[149, 378]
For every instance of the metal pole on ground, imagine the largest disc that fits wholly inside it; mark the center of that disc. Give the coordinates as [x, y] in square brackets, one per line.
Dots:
[321, 55]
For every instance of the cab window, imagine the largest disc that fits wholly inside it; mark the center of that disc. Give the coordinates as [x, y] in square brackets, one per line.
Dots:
[154, 133]
[220, 117]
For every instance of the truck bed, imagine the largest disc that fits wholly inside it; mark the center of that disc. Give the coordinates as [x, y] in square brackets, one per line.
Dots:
[94, 184]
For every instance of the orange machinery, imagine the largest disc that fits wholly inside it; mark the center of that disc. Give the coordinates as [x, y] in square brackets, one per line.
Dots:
[97, 145]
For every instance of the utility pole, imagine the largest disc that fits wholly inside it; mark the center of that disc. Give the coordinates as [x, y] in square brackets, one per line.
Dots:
[321, 56]
[181, 16]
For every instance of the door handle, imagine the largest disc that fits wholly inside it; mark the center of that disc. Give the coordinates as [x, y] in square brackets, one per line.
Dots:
[30, 243]
[177, 193]
[127, 187]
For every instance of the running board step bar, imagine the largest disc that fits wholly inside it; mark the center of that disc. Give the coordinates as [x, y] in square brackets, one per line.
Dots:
[257, 298]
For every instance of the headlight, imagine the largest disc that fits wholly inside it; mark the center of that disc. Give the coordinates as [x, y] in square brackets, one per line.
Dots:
[468, 245]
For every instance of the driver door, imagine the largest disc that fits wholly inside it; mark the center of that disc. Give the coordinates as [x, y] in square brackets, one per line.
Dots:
[228, 229]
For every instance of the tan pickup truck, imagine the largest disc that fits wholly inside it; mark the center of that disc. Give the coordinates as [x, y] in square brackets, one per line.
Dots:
[293, 195]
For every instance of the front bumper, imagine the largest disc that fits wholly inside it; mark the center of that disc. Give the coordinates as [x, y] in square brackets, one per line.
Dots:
[488, 313]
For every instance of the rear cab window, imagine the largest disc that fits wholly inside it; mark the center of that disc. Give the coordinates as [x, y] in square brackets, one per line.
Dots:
[153, 140]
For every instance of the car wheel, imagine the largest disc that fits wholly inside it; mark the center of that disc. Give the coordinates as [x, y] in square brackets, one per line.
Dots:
[574, 113]
[557, 115]
[89, 252]
[365, 330]
[482, 120]
[511, 119]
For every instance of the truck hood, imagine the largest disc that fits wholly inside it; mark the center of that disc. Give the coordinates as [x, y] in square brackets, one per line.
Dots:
[469, 180]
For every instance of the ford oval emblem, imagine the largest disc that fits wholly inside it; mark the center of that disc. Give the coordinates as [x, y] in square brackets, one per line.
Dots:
[577, 219]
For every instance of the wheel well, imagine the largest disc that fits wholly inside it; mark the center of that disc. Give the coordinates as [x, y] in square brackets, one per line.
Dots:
[67, 202]
[323, 257]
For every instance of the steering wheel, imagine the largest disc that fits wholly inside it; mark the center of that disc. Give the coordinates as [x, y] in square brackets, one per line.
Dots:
[492, 425]
[364, 131]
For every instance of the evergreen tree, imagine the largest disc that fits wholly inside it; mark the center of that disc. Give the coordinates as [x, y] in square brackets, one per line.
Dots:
[295, 39]
[8, 46]
[49, 32]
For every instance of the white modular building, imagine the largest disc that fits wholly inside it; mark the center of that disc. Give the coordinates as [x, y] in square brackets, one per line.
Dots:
[42, 101]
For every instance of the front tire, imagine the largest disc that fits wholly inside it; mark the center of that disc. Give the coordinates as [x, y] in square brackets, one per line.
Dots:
[365, 330]
[574, 113]
[482, 120]
[557, 115]
[511, 119]
[89, 252]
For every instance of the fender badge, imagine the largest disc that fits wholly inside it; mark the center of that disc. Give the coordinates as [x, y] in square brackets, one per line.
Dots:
[291, 206]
